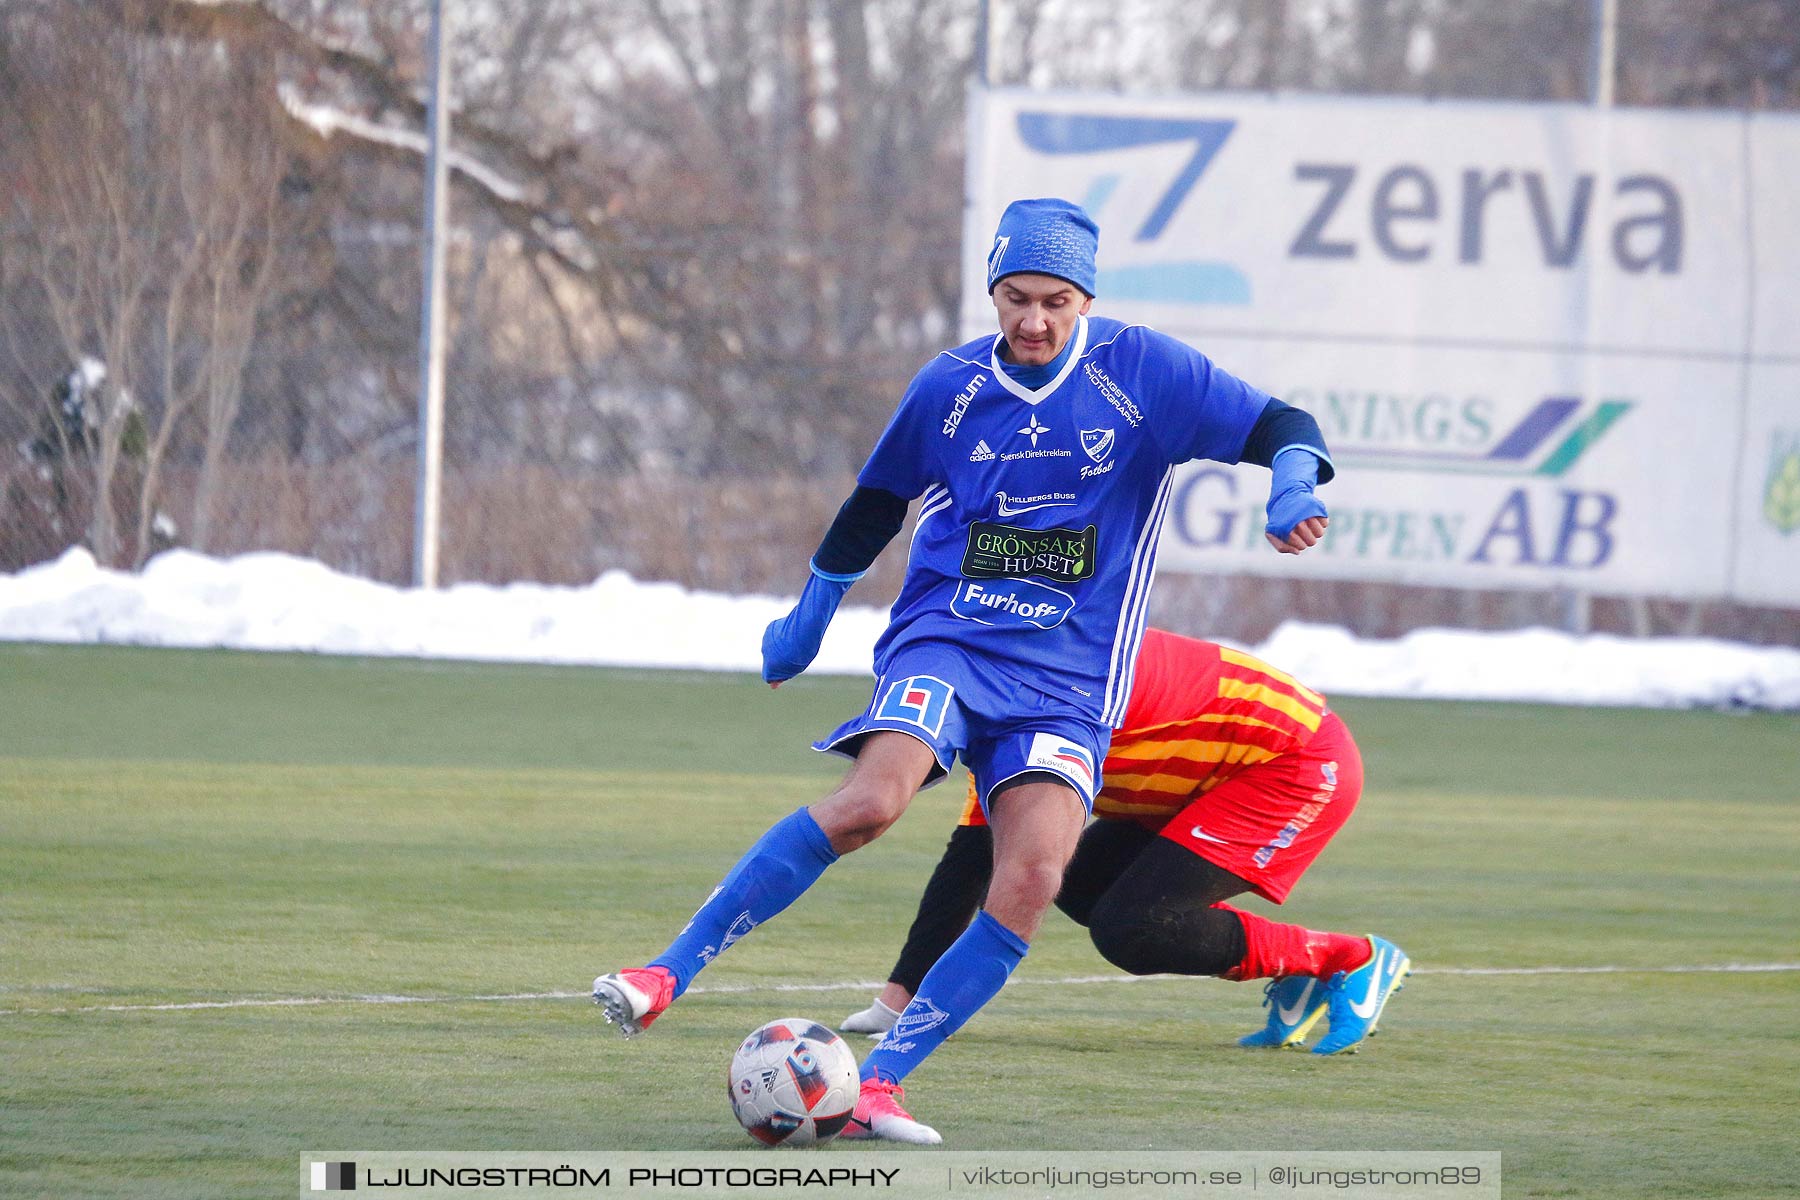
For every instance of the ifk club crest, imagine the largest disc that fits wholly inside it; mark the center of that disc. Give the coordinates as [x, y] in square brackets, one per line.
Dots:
[1097, 443]
[1781, 495]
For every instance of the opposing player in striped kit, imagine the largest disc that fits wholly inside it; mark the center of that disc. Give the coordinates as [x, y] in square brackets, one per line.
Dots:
[1041, 458]
[1227, 776]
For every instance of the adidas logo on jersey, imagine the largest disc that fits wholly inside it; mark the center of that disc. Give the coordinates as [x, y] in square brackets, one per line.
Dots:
[981, 453]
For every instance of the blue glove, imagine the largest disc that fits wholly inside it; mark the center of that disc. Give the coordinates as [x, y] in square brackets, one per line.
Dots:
[1294, 471]
[790, 644]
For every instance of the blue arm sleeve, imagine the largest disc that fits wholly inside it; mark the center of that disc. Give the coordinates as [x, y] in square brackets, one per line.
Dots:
[1291, 496]
[790, 644]
[898, 469]
[1283, 427]
[868, 520]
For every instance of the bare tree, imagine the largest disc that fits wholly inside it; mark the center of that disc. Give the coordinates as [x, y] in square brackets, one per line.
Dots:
[1716, 53]
[698, 246]
[81, 214]
[153, 248]
[230, 179]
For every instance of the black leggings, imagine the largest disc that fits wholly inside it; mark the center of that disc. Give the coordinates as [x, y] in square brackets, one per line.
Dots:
[1148, 903]
[1145, 901]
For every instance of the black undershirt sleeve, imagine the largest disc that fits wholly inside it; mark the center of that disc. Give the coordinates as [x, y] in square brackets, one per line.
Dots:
[1280, 426]
[865, 524]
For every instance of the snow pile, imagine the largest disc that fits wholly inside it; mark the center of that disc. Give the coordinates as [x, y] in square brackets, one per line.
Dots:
[1541, 665]
[278, 602]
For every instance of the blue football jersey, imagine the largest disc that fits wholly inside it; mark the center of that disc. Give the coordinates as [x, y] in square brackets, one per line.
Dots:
[1041, 509]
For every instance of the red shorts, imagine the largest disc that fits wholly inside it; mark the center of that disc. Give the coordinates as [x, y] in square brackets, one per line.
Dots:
[1267, 824]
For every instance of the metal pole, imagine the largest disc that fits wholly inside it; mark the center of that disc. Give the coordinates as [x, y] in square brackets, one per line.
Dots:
[1606, 51]
[984, 45]
[1578, 613]
[431, 323]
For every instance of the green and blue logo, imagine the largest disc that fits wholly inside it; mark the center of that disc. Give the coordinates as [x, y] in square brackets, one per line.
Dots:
[1543, 518]
[1545, 443]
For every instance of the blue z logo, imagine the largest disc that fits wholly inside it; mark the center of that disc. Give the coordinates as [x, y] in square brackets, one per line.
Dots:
[1161, 280]
[922, 700]
[1054, 133]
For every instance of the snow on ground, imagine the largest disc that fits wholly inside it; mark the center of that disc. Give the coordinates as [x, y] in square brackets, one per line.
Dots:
[278, 602]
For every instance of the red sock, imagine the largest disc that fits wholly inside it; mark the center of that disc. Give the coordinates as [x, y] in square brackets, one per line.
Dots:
[1273, 950]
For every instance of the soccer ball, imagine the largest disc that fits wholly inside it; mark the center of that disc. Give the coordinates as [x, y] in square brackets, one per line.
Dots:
[793, 1083]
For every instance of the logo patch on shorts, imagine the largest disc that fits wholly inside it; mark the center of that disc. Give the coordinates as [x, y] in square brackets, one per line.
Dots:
[1053, 752]
[922, 700]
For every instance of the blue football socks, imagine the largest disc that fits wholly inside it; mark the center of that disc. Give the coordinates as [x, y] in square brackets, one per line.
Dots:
[772, 875]
[971, 972]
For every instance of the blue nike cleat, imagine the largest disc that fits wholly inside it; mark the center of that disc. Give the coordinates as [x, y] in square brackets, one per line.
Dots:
[1357, 997]
[1295, 1004]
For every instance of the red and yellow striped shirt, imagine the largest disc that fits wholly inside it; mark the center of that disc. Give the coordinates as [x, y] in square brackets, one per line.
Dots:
[1199, 714]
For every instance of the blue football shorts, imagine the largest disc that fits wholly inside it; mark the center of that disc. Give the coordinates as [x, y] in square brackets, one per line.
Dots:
[1002, 727]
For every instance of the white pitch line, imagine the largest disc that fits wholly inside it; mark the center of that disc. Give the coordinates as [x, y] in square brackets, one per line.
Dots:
[853, 986]
[285, 1002]
[1716, 969]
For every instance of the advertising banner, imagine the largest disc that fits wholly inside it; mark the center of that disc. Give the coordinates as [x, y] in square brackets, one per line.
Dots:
[1549, 346]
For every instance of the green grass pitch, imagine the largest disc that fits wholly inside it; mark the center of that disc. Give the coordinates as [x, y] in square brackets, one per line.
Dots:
[181, 828]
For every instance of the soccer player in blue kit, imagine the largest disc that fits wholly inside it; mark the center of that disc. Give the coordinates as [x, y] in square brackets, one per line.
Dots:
[1042, 459]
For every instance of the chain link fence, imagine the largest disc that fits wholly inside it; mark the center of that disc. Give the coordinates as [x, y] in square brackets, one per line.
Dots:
[697, 250]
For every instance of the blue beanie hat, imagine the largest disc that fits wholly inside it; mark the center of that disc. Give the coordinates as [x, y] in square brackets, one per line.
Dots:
[1045, 237]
